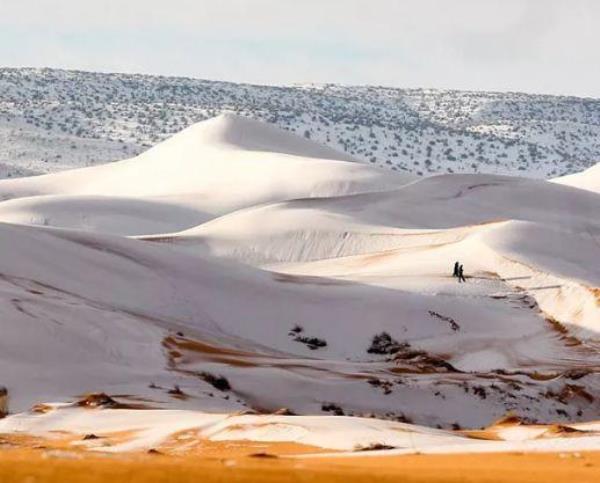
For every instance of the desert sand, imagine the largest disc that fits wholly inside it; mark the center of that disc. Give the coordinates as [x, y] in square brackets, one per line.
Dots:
[238, 465]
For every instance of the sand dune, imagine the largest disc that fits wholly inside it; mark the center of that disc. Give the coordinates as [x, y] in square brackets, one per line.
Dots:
[208, 169]
[587, 180]
[302, 230]
[236, 267]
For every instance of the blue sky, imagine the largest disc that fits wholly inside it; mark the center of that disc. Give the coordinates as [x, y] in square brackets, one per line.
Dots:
[547, 46]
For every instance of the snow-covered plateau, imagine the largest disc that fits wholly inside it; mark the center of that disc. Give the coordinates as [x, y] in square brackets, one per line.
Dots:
[52, 120]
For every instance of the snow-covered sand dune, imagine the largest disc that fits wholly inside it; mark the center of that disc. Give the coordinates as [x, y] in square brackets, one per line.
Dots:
[236, 267]
[209, 169]
[311, 229]
[154, 427]
[587, 180]
[179, 431]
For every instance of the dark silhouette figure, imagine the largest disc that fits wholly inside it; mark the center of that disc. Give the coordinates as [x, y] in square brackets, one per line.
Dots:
[461, 275]
[455, 273]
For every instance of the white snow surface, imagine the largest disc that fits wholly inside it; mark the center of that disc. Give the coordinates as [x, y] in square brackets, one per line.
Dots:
[237, 251]
[587, 180]
[208, 169]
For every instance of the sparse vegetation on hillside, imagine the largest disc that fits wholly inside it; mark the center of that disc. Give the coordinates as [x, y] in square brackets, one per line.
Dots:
[53, 119]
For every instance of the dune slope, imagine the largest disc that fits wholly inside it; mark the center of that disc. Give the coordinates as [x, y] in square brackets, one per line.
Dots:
[587, 180]
[238, 268]
[208, 169]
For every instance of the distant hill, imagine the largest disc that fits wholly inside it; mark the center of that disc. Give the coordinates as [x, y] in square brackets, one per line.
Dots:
[54, 119]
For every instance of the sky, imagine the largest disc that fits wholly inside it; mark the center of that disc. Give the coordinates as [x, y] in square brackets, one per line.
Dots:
[538, 46]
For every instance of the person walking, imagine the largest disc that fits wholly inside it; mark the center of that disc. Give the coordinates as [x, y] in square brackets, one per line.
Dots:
[461, 274]
[455, 273]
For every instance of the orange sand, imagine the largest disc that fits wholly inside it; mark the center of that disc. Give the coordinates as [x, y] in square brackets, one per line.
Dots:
[232, 462]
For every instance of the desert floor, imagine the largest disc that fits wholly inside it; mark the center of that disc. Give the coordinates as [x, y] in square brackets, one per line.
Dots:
[244, 462]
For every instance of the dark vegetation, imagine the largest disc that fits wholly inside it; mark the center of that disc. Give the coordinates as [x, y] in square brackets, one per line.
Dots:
[453, 325]
[332, 408]
[218, 382]
[313, 343]
[383, 343]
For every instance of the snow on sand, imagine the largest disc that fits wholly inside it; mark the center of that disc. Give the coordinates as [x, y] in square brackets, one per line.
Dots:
[235, 267]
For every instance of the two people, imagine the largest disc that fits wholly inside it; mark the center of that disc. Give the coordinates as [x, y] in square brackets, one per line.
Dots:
[459, 272]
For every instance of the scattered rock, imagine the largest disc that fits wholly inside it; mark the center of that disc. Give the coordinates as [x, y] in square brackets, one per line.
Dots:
[374, 447]
[263, 455]
[97, 400]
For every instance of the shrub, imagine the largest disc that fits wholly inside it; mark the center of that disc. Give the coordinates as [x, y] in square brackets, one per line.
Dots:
[383, 343]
